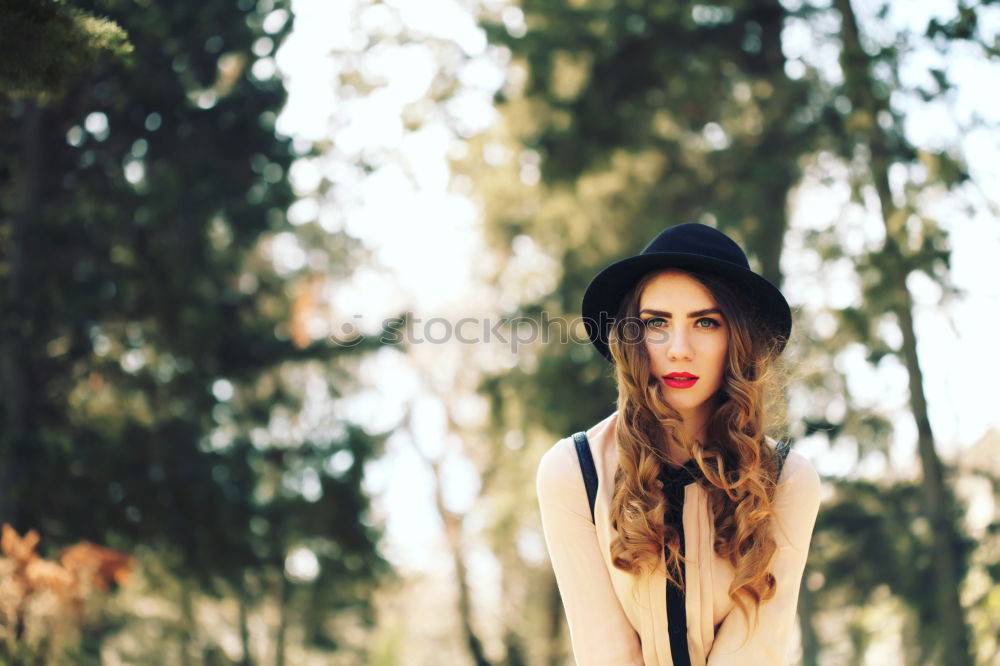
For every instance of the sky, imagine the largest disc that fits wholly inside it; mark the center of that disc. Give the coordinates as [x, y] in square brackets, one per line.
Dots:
[426, 241]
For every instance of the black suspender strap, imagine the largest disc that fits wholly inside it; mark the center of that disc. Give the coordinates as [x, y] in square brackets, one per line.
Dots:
[782, 450]
[590, 472]
[587, 467]
[676, 607]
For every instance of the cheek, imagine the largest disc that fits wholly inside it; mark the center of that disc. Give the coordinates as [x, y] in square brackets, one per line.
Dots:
[717, 353]
[651, 355]
[721, 360]
[656, 342]
[649, 343]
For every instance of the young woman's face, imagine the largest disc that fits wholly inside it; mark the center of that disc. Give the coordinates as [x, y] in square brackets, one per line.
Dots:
[684, 332]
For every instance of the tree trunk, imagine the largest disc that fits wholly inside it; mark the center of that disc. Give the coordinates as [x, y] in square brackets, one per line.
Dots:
[810, 639]
[15, 321]
[452, 523]
[555, 635]
[951, 623]
[453, 532]
[187, 624]
[767, 235]
[914, 651]
[284, 593]
[938, 501]
[244, 629]
[515, 649]
[513, 569]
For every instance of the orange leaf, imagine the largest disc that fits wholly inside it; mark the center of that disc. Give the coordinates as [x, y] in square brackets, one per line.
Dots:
[16, 547]
[106, 564]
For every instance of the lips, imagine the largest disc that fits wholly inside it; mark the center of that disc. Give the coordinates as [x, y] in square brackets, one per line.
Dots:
[681, 380]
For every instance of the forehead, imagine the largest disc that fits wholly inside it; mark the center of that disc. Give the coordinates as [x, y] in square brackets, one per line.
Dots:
[675, 287]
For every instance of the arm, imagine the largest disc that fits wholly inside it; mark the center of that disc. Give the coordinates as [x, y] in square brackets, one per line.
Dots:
[796, 506]
[600, 632]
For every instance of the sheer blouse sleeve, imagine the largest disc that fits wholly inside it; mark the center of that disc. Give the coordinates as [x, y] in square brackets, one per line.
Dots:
[796, 506]
[599, 629]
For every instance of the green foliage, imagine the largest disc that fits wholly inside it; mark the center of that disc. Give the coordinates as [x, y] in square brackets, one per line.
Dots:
[875, 535]
[45, 44]
[151, 369]
[643, 114]
[702, 86]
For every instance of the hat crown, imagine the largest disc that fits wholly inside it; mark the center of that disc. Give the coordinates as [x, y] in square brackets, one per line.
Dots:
[698, 239]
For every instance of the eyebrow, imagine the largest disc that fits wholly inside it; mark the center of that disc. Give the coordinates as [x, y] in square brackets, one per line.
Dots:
[691, 315]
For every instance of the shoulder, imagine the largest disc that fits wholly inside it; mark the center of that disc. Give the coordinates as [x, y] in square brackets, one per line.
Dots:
[797, 500]
[559, 473]
[557, 464]
[559, 486]
[797, 470]
[799, 475]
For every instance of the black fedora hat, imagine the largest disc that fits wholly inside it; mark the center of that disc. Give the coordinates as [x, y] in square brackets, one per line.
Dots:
[688, 245]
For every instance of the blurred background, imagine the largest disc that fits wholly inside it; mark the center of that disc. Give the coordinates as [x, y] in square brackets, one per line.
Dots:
[288, 301]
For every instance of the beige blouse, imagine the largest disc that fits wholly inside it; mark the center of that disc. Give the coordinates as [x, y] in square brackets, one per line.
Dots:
[609, 624]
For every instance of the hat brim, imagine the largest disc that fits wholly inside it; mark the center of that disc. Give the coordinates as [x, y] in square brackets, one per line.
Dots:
[606, 290]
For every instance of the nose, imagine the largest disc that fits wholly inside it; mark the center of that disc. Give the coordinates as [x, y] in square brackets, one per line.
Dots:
[679, 347]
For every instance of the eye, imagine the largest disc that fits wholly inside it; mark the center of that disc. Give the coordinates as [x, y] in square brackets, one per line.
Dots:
[649, 321]
[713, 323]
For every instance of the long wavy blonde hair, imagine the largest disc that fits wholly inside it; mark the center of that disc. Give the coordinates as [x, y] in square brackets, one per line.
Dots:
[739, 467]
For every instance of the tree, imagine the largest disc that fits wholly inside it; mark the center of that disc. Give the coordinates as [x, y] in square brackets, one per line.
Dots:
[44, 44]
[874, 127]
[149, 363]
[632, 109]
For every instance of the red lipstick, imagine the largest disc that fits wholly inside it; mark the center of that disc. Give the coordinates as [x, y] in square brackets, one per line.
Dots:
[680, 380]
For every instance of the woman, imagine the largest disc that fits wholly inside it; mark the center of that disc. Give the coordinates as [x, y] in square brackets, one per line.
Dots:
[694, 551]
